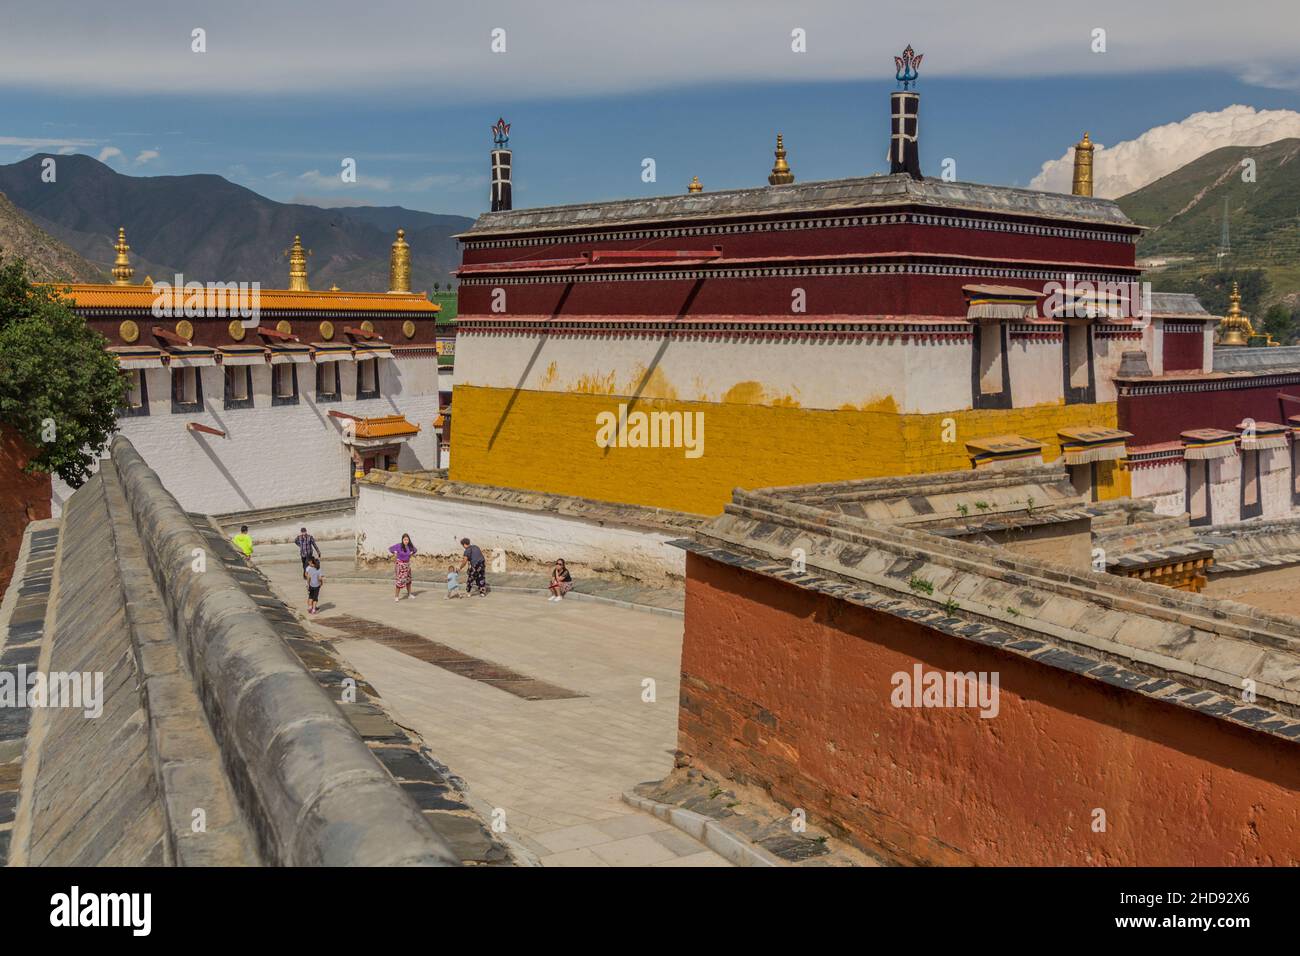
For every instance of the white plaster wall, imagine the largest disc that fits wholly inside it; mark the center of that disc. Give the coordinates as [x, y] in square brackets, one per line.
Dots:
[1275, 481]
[1225, 489]
[1165, 486]
[920, 377]
[273, 455]
[436, 525]
[1036, 375]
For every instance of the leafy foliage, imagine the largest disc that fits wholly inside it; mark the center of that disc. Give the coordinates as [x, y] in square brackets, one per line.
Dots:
[59, 389]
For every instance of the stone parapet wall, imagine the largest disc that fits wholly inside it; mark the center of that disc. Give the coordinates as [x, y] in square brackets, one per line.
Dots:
[311, 791]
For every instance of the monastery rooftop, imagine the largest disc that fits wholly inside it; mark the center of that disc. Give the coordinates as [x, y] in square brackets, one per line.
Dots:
[866, 543]
[828, 196]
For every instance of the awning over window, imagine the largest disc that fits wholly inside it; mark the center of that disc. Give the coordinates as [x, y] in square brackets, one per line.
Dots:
[138, 357]
[998, 449]
[365, 350]
[329, 352]
[1201, 444]
[376, 432]
[283, 354]
[191, 356]
[998, 302]
[1081, 446]
[1257, 436]
[242, 355]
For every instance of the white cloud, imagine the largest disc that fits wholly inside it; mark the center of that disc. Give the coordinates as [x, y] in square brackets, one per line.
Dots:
[33, 142]
[440, 53]
[315, 179]
[145, 156]
[107, 153]
[1132, 164]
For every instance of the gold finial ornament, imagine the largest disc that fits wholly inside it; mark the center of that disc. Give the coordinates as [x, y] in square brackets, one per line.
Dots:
[696, 186]
[1082, 185]
[122, 271]
[1235, 329]
[399, 265]
[781, 174]
[298, 266]
[334, 288]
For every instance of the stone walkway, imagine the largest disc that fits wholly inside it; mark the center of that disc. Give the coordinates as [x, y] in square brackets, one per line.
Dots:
[552, 769]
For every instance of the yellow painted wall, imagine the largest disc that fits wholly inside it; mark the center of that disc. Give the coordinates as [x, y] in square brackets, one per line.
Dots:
[545, 441]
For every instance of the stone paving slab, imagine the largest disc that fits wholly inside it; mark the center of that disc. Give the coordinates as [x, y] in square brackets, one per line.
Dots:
[556, 769]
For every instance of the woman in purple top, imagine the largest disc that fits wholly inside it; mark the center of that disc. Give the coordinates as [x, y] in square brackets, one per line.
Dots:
[404, 550]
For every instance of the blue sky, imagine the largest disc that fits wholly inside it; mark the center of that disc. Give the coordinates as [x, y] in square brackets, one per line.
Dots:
[582, 127]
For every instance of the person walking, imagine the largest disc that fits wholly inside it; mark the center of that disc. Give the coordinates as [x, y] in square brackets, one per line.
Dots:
[244, 542]
[404, 550]
[561, 581]
[314, 576]
[307, 547]
[477, 564]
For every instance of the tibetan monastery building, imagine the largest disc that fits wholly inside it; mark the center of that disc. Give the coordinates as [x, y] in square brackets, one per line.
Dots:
[665, 351]
[239, 413]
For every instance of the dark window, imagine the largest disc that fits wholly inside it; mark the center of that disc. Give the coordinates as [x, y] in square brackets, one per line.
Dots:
[284, 384]
[137, 399]
[1252, 505]
[368, 378]
[990, 371]
[239, 386]
[1198, 492]
[187, 391]
[1076, 355]
[327, 382]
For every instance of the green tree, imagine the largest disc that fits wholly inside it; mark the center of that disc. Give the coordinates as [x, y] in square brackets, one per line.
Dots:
[1280, 322]
[59, 389]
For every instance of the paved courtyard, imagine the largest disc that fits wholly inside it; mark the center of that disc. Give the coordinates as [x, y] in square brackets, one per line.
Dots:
[555, 767]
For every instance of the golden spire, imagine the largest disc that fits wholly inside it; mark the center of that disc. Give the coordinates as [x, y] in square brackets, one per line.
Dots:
[695, 186]
[1235, 328]
[399, 265]
[781, 174]
[298, 266]
[1082, 167]
[122, 271]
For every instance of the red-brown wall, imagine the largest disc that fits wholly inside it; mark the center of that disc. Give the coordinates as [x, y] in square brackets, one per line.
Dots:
[790, 690]
[23, 498]
[1156, 418]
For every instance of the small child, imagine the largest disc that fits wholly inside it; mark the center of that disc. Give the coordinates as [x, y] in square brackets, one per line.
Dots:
[453, 582]
[314, 577]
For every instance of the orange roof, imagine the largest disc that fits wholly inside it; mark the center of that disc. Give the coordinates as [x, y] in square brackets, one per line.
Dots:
[389, 426]
[87, 295]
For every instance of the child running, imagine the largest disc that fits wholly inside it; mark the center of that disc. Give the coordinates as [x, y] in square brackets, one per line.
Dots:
[314, 577]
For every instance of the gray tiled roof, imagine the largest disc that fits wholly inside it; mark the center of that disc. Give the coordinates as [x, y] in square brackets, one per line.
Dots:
[1178, 304]
[829, 196]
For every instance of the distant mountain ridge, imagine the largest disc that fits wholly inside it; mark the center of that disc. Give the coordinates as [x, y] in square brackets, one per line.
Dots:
[1185, 210]
[211, 229]
[48, 260]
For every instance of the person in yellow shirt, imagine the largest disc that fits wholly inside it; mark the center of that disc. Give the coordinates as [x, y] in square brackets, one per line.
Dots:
[243, 542]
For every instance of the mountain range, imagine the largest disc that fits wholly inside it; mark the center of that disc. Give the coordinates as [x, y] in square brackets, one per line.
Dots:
[48, 260]
[1184, 212]
[211, 229]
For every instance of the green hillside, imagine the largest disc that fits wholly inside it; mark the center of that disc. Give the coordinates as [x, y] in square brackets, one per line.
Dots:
[1185, 210]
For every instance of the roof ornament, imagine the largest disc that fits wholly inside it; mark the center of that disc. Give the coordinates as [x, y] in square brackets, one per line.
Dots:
[906, 67]
[781, 175]
[399, 264]
[298, 266]
[122, 271]
[695, 186]
[501, 133]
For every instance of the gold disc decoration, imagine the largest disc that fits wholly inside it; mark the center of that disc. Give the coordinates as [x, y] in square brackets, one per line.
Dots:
[408, 329]
[368, 327]
[284, 327]
[185, 329]
[236, 330]
[327, 330]
[128, 331]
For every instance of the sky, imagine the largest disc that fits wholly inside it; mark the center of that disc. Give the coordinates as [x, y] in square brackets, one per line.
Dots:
[282, 93]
